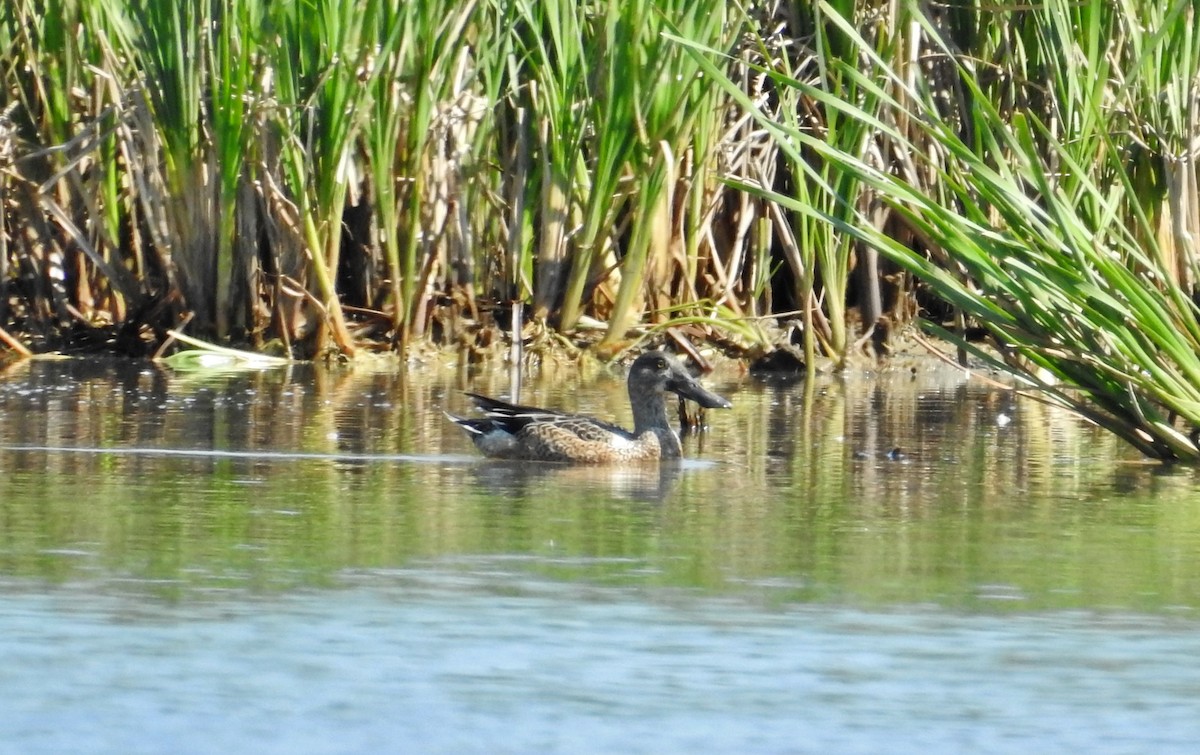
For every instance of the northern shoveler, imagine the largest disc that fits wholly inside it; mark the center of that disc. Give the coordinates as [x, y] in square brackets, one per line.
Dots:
[509, 431]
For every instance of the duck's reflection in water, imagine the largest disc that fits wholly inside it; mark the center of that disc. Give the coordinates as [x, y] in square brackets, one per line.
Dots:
[636, 482]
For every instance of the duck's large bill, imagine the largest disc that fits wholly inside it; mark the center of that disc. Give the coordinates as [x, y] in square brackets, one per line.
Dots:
[689, 388]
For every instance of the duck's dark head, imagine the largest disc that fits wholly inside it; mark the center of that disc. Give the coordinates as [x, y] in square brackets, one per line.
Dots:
[657, 371]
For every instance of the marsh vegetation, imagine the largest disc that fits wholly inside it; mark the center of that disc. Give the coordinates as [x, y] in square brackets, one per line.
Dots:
[325, 176]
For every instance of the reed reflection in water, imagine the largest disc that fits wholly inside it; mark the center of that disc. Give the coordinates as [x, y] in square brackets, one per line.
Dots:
[292, 477]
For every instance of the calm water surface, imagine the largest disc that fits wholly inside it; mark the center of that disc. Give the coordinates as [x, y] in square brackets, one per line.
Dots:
[309, 560]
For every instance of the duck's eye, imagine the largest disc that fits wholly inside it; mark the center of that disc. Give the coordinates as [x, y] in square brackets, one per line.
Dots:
[660, 364]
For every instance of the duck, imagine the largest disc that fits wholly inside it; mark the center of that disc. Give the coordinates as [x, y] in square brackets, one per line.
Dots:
[514, 432]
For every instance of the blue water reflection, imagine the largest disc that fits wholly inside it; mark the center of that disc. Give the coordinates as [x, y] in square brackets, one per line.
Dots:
[447, 661]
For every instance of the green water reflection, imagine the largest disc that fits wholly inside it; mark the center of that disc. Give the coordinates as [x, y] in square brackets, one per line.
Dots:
[788, 500]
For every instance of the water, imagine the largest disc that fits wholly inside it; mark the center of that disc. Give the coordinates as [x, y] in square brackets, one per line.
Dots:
[315, 561]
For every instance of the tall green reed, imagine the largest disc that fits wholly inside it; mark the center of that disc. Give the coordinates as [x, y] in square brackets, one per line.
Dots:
[235, 71]
[630, 191]
[1160, 94]
[611, 112]
[549, 76]
[51, 93]
[170, 44]
[668, 95]
[323, 62]
[198, 61]
[1030, 215]
[416, 93]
